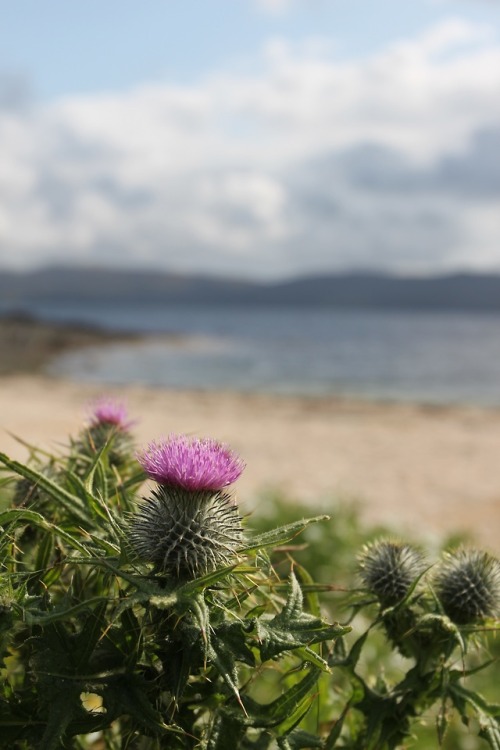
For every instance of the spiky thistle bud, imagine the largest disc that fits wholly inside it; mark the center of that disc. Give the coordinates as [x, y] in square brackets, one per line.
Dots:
[467, 583]
[388, 569]
[189, 525]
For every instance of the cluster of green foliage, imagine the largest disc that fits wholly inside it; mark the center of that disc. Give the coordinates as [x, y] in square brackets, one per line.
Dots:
[334, 545]
[97, 651]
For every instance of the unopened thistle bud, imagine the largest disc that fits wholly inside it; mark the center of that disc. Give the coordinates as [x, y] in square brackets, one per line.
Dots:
[189, 525]
[388, 569]
[468, 585]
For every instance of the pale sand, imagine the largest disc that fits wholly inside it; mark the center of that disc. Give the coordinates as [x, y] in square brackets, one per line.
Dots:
[423, 470]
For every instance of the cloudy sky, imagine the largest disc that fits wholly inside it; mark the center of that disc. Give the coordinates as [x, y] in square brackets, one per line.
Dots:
[263, 138]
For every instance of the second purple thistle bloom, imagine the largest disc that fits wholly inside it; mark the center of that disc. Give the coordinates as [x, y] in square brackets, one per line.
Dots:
[108, 411]
[194, 464]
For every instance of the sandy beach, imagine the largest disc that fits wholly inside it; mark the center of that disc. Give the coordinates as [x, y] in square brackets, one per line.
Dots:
[426, 471]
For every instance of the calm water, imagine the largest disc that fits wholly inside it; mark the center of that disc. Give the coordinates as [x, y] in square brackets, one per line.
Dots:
[441, 358]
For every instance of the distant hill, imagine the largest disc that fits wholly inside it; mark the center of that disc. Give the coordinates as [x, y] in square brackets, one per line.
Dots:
[60, 285]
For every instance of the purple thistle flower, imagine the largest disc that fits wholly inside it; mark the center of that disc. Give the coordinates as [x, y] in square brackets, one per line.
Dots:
[193, 464]
[107, 411]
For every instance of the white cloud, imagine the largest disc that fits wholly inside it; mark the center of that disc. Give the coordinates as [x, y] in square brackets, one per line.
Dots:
[309, 164]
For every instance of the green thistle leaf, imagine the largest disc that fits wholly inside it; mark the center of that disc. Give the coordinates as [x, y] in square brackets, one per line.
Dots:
[281, 535]
[292, 628]
[18, 515]
[72, 504]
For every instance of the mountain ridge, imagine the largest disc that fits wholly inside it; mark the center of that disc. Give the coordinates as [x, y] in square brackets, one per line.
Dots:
[64, 285]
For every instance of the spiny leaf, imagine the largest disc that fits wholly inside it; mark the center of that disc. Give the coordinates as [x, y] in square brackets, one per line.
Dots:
[475, 700]
[61, 706]
[442, 722]
[234, 636]
[285, 708]
[352, 657]
[104, 544]
[91, 633]
[96, 465]
[44, 552]
[489, 730]
[132, 632]
[71, 503]
[129, 601]
[20, 515]
[336, 730]
[97, 510]
[198, 584]
[281, 534]
[459, 674]
[226, 732]
[437, 624]
[198, 607]
[128, 695]
[292, 611]
[34, 617]
[33, 449]
[294, 719]
[223, 660]
[309, 589]
[309, 656]
[293, 628]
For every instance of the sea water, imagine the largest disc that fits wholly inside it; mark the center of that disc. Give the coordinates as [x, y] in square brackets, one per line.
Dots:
[424, 356]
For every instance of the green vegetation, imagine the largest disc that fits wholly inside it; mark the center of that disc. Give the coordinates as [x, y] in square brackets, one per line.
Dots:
[315, 634]
[330, 552]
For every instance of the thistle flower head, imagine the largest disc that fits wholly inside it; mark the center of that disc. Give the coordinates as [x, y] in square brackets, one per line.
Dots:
[107, 423]
[388, 570]
[191, 464]
[468, 585]
[107, 411]
[186, 534]
[188, 526]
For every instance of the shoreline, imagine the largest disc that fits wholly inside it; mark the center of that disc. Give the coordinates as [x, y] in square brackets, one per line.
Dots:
[421, 468]
[28, 344]
[426, 470]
